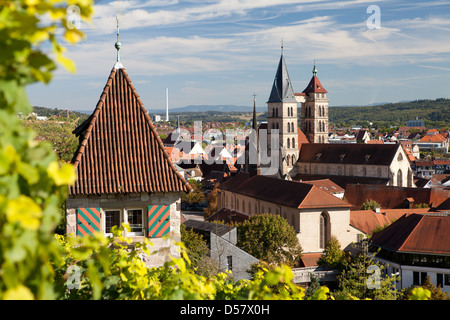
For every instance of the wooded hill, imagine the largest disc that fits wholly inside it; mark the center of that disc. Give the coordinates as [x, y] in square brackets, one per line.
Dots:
[435, 113]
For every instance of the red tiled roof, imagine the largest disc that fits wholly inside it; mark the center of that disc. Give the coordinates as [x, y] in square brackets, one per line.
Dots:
[310, 259]
[367, 220]
[120, 150]
[302, 139]
[416, 234]
[227, 215]
[283, 192]
[315, 86]
[391, 197]
[432, 138]
[326, 185]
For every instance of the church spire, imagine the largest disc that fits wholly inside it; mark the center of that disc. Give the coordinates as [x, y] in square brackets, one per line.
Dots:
[314, 69]
[255, 124]
[282, 90]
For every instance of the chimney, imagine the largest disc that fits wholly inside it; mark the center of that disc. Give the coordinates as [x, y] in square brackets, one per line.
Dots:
[377, 210]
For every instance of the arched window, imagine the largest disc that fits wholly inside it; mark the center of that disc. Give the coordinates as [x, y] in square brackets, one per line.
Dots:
[292, 127]
[324, 232]
[293, 142]
[399, 178]
[287, 159]
[288, 143]
[292, 111]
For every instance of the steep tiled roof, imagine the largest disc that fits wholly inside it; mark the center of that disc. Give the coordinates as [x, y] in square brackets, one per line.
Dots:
[283, 192]
[416, 234]
[282, 90]
[120, 150]
[314, 86]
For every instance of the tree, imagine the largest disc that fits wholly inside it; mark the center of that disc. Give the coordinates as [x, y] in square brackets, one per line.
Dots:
[333, 257]
[198, 252]
[58, 134]
[196, 195]
[370, 205]
[212, 203]
[436, 293]
[364, 278]
[270, 238]
[32, 183]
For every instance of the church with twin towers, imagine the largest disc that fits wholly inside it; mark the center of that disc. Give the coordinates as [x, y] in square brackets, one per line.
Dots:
[283, 118]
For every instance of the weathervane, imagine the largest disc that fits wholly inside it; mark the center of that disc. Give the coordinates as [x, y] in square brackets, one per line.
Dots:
[118, 44]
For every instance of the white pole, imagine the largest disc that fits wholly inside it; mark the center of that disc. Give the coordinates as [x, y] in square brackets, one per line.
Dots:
[167, 104]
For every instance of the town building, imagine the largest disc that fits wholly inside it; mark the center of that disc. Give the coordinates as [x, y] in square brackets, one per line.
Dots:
[124, 174]
[315, 214]
[221, 240]
[414, 247]
[364, 163]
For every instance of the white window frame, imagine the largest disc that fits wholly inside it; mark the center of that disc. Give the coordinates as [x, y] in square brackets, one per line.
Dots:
[109, 234]
[125, 220]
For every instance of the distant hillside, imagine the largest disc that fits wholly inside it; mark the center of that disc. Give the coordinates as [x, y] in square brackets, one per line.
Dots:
[206, 108]
[435, 113]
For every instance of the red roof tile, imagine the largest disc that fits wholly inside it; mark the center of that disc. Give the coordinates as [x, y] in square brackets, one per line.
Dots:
[283, 192]
[310, 259]
[120, 150]
[367, 220]
[416, 234]
[390, 197]
[315, 86]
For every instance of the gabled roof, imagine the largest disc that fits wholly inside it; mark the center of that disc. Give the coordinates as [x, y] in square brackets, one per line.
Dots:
[282, 90]
[416, 233]
[120, 150]
[347, 153]
[283, 192]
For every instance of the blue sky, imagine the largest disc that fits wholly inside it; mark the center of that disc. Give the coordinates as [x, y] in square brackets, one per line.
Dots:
[221, 52]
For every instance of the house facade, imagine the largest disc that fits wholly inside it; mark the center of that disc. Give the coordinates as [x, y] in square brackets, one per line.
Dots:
[222, 241]
[414, 247]
[314, 214]
[387, 162]
[124, 174]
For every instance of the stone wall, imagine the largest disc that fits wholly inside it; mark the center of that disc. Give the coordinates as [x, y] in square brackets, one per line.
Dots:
[162, 247]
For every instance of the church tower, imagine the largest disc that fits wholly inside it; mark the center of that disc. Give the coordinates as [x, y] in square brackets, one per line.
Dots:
[282, 117]
[314, 111]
